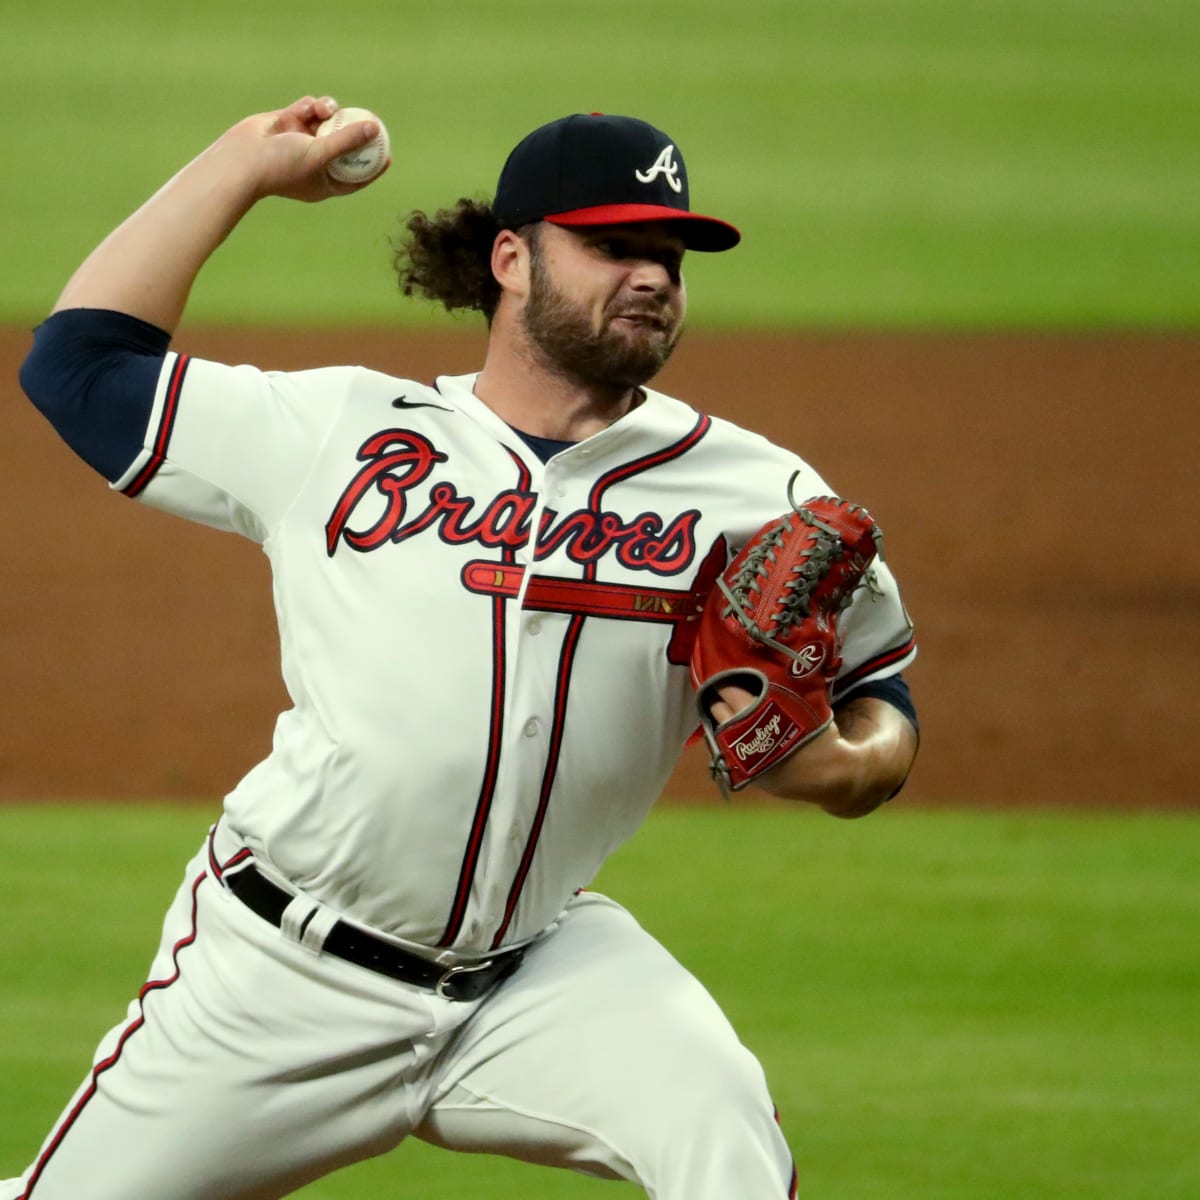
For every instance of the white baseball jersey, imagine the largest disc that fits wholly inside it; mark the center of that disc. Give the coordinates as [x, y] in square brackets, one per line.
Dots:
[486, 655]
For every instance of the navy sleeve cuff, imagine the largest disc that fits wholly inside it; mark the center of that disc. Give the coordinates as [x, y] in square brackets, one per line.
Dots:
[93, 373]
[893, 690]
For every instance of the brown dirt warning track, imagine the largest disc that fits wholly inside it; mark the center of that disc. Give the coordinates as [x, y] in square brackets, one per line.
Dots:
[1039, 495]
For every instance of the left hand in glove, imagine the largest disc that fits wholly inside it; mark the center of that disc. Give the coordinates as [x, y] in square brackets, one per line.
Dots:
[769, 627]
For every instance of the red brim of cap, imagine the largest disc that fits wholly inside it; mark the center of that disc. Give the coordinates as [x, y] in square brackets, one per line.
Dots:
[698, 232]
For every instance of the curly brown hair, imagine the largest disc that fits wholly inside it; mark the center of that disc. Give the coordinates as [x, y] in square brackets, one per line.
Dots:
[448, 257]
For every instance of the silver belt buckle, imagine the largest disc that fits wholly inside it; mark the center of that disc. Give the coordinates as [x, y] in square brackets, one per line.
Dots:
[453, 972]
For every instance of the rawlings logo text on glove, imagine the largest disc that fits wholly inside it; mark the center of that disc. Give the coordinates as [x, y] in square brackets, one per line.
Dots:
[769, 626]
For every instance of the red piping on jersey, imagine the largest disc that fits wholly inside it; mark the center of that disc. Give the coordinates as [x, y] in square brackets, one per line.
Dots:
[638, 465]
[567, 660]
[487, 790]
[219, 869]
[561, 691]
[166, 424]
[794, 1185]
[878, 663]
[111, 1061]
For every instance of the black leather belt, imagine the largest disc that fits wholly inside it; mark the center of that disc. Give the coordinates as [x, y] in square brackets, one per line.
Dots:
[466, 982]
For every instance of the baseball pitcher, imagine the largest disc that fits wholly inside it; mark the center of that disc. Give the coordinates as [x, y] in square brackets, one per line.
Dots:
[506, 602]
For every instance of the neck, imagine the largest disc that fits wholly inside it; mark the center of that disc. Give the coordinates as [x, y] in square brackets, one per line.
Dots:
[524, 390]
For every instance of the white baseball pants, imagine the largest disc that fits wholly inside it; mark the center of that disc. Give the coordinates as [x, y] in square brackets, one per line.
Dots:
[250, 1066]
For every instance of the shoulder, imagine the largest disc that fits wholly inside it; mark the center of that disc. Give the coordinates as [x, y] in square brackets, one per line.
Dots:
[350, 388]
[719, 430]
[350, 379]
[757, 466]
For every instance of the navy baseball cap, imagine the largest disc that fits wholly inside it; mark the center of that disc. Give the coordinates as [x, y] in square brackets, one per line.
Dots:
[596, 169]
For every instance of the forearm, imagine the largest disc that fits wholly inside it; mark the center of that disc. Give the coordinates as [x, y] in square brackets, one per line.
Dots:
[852, 767]
[146, 267]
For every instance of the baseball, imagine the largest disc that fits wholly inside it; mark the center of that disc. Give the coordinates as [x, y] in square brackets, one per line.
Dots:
[364, 164]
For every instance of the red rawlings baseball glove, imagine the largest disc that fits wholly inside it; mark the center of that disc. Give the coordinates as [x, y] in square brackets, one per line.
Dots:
[770, 626]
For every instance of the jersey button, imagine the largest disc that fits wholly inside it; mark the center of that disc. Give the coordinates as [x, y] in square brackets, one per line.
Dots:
[534, 627]
[531, 727]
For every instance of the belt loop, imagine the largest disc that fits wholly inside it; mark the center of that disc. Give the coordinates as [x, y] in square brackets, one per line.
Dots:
[317, 929]
[322, 921]
[297, 920]
[294, 918]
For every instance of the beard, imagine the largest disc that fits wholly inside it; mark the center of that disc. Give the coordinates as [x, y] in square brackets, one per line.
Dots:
[615, 357]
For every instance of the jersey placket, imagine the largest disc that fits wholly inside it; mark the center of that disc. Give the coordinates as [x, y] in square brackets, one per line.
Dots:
[546, 722]
[565, 478]
[484, 852]
[537, 650]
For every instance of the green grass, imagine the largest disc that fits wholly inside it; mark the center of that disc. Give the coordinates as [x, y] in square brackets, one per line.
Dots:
[976, 1006]
[892, 162]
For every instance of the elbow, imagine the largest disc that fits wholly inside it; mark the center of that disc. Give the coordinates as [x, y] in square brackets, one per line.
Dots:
[852, 812]
[32, 377]
[877, 768]
[884, 744]
[43, 381]
[843, 778]
[93, 378]
[863, 804]
[885, 785]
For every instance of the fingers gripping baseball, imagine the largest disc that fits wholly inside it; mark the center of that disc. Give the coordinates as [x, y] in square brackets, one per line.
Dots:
[293, 161]
[768, 650]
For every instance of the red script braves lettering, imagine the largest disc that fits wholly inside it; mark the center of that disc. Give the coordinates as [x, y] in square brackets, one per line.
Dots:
[397, 461]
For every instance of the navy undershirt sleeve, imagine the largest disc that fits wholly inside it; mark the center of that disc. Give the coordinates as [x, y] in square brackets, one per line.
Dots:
[93, 374]
[893, 690]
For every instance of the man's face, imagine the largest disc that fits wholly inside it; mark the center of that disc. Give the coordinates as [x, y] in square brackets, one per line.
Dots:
[606, 304]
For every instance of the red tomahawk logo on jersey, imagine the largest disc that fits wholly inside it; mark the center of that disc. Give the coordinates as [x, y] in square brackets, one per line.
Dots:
[618, 601]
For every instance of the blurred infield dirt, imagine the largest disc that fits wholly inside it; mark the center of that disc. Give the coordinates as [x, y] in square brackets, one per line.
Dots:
[1038, 494]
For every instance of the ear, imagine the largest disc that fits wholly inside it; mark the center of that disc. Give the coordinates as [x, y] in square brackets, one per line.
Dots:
[510, 262]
